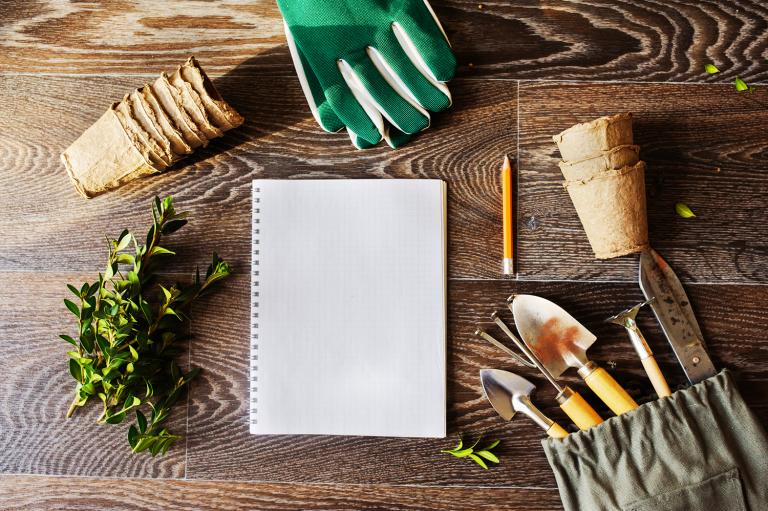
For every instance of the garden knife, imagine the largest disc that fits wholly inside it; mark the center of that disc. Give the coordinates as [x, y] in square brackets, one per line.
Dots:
[675, 315]
[560, 342]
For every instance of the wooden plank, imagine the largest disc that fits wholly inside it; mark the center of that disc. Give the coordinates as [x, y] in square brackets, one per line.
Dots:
[46, 226]
[220, 446]
[36, 391]
[564, 39]
[19, 493]
[704, 145]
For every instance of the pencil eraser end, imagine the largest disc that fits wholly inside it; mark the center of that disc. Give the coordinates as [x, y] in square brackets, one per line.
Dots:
[508, 266]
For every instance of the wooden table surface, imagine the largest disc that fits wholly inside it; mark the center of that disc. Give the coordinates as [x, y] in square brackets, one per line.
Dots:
[527, 70]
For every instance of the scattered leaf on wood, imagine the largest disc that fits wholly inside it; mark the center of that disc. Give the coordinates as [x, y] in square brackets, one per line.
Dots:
[684, 211]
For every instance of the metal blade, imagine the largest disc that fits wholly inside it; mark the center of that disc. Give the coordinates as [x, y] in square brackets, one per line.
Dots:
[675, 315]
[554, 336]
[500, 389]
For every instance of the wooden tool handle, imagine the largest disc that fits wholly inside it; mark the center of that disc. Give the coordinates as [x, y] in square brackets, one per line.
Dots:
[556, 431]
[610, 391]
[583, 415]
[657, 379]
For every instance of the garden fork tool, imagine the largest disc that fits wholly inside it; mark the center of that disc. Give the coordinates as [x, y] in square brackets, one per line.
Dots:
[626, 319]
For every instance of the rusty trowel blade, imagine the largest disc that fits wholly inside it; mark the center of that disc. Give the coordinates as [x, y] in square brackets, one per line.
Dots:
[500, 389]
[557, 339]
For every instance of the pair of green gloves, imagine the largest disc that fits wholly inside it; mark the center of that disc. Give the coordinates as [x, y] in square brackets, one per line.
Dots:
[376, 67]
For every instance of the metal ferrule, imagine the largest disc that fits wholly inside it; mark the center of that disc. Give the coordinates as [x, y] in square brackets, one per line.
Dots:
[564, 395]
[508, 266]
[637, 339]
[587, 369]
[523, 404]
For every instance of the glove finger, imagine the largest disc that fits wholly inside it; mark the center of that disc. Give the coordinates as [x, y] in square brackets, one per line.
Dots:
[353, 104]
[404, 113]
[423, 39]
[390, 58]
[310, 85]
[395, 138]
[357, 141]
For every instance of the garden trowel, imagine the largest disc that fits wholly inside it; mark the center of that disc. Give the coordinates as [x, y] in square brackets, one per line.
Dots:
[509, 393]
[560, 342]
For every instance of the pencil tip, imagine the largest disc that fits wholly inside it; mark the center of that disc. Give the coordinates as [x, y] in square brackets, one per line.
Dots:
[507, 165]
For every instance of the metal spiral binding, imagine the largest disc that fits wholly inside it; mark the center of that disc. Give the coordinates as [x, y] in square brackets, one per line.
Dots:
[255, 233]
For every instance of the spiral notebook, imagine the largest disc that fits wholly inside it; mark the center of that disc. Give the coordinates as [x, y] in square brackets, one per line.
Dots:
[348, 333]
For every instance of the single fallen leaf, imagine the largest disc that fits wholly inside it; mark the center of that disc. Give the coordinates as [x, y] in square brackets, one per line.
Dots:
[684, 211]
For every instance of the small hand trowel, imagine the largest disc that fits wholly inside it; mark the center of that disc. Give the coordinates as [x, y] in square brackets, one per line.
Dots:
[560, 342]
[626, 319]
[509, 393]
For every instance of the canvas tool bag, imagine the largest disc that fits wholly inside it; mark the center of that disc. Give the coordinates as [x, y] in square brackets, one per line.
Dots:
[699, 449]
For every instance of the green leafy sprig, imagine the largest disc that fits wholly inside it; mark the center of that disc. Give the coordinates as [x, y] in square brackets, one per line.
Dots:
[128, 332]
[478, 456]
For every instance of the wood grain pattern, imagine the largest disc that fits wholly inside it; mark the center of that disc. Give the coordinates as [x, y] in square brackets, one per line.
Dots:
[619, 40]
[36, 390]
[33, 493]
[705, 146]
[43, 221]
[61, 63]
[220, 446]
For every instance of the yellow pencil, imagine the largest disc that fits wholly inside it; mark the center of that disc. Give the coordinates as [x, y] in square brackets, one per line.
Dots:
[506, 197]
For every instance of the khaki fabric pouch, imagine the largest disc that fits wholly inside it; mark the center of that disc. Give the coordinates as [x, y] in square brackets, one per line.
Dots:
[700, 448]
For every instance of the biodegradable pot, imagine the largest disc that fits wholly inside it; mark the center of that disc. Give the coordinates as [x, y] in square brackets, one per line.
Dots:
[616, 158]
[611, 208]
[104, 157]
[590, 139]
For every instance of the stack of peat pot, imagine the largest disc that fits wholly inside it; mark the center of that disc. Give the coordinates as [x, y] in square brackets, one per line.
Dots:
[149, 130]
[606, 181]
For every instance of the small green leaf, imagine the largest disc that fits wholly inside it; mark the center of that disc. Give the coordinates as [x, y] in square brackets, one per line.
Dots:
[74, 290]
[479, 461]
[115, 419]
[134, 354]
[684, 211]
[74, 309]
[125, 259]
[75, 370]
[740, 85]
[133, 436]
[488, 455]
[173, 225]
[68, 339]
[492, 445]
[123, 240]
[141, 421]
[161, 251]
[711, 69]
[459, 454]
[143, 444]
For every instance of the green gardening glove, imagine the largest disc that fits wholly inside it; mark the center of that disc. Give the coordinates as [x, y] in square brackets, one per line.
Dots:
[363, 61]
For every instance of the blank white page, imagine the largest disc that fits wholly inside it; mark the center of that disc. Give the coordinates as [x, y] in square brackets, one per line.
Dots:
[348, 307]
